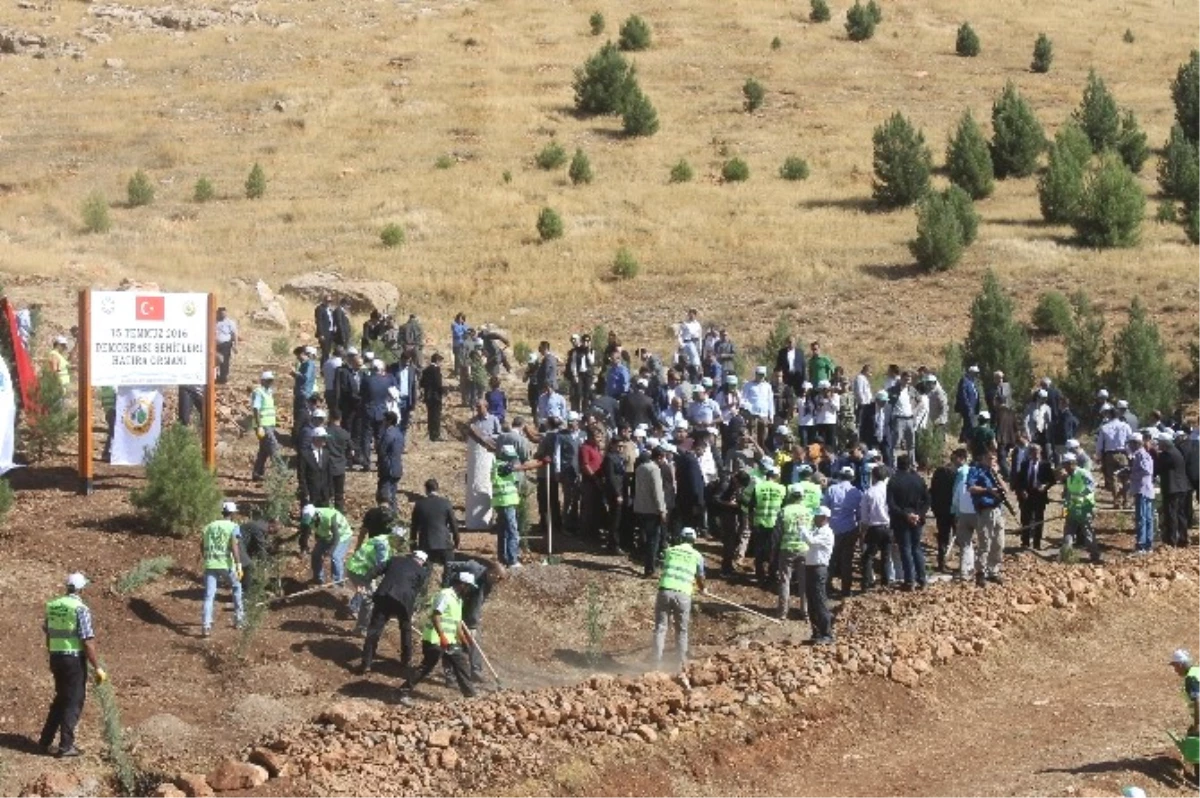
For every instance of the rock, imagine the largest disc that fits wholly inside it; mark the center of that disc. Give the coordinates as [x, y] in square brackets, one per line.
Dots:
[52, 783]
[1024, 609]
[349, 714]
[270, 314]
[1060, 599]
[233, 775]
[439, 738]
[921, 666]
[193, 785]
[647, 733]
[364, 295]
[449, 759]
[135, 285]
[114, 63]
[905, 675]
[167, 790]
[273, 762]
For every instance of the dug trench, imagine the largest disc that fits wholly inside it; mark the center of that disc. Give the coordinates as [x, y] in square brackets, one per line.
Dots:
[1055, 683]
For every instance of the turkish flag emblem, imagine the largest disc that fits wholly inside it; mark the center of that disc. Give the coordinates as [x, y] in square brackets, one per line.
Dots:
[151, 308]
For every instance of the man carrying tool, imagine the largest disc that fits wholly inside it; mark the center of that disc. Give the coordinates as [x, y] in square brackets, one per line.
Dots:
[332, 531]
[220, 547]
[1079, 493]
[1181, 661]
[361, 566]
[795, 517]
[404, 578]
[487, 576]
[682, 572]
[440, 637]
[70, 639]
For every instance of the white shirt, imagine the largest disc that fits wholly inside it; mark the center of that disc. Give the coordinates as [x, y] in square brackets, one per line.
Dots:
[759, 398]
[826, 409]
[1039, 418]
[690, 332]
[1112, 437]
[873, 510]
[862, 391]
[820, 544]
[806, 413]
[921, 412]
[904, 408]
[708, 466]
[964, 502]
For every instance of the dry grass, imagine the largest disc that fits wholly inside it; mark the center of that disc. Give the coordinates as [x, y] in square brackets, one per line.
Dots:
[372, 95]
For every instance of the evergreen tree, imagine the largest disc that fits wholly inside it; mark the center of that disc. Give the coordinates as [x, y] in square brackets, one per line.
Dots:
[996, 340]
[1111, 207]
[1184, 91]
[964, 209]
[939, 243]
[180, 494]
[1086, 351]
[1140, 372]
[1177, 171]
[1131, 143]
[968, 160]
[604, 82]
[860, 22]
[580, 170]
[1098, 116]
[1017, 137]
[639, 117]
[966, 43]
[1043, 54]
[902, 162]
[1061, 185]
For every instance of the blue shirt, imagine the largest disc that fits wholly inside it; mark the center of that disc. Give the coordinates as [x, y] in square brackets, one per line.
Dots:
[497, 403]
[306, 379]
[458, 331]
[979, 477]
[551, 404]
[843, 499]
[618, 381]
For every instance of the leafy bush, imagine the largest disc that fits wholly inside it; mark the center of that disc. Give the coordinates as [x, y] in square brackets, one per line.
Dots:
[1166, 212]
[580, 170]
[902, 163]
[392, 235]
[1128, 38]
[139, 190]
[964, 208]
[875, 10]
[860, 22]
[51, 421]
[681, 172]
[1097, 114]
[256, 183]
[625, 266]
[549, 224]
[181, 494]
[145, 572]
[506, 176]
[203, 192]
[754, 93]
[1185, 91]
[1111, 206]
[1141, 372]
[634, 34]
[1017, 137]
[95, 214]
[776, 43]
[995, 340]
[604, 82]
[1052, 314]
[1061, 185]
[819, 11]
[281, 346]
[596, 23]
[639, 117]
[939, 243]
[1179, 168]
[968, 159]
[966, 43]
[794, 168]
[551, 156]
[443, 162]
[1043, 54]
[735, 170]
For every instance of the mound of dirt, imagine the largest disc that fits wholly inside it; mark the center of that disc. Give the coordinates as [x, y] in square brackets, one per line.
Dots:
[260, 713]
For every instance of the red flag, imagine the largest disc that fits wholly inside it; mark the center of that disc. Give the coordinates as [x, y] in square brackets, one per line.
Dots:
[150, 308]
[23, 365]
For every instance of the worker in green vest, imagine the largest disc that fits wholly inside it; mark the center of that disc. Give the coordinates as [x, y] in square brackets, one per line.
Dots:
[370, 555]
[70, 640]
[1181, 661]
[682, 573]
[332, 531]
[220, 546]
[444, 635]
[108, 403]
[57, 362]
[262, 404]
[1079, 493]
[766, 499]
[796, 516]
[506, 496]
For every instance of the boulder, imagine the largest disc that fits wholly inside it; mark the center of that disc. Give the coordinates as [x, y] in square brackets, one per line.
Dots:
[905, 675]
[439, 738]
[233, 775]
[270, 314]
[348, 714]
[194, 785]
[273, 762]
[364, 295]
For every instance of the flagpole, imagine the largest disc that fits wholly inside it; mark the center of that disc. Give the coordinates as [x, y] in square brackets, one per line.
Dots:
[84, 348]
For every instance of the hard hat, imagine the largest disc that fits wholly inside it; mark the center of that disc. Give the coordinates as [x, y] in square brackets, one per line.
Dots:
[1069, 458]
[984, 414]
[466, 578]
[377, 364]
[1072, 444]
[368, 355]
[352, 351]
[1122, 404]
[687, 533]
[267, 376]
[60, 339]
[822, 512]
[847, 471]
[319, 433]
[420, 556]
[795, 489]
[1181, 657]
[229, 507]
[882, 396]
[308, 511]
[782, 430]
[822, 384]
[319, 413]
[77, 581]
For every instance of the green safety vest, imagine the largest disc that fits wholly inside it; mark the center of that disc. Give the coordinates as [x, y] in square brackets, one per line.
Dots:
[217, 553]
[1193, 673]
[61, 366]
[363, 561]
[62, 625]
[1080, 496]
[680, 564]
[768, 497]
[451, 618]
[795, 517]
[330, 524]
[266, 410]
[811, 496]
[504, 488]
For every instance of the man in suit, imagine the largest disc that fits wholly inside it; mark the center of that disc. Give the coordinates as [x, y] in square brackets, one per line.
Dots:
[337, 449]
[431, 391]
[434, 526]
[325, 315]
[341, 318]
[790, 361]
[390, 463]
[689, 491]
[1032, 479]
[636, 407]
[1171, 469]
[406, 377]
[875, 426]
[547, 370]
[347, 398]
[966, 402]
[373, 400]
[315, 479]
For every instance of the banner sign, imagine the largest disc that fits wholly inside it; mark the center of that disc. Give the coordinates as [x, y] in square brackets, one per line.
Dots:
[138, 425]
[148, 339]
[8, 418]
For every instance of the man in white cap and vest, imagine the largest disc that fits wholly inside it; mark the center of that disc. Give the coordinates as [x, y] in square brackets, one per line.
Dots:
[444, 635]
[1181, 662]
[682, 573]
[70, 640]
[262, 403]
[333, 533]
[220, 548]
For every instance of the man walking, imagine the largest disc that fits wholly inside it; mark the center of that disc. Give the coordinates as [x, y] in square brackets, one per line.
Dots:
[432, 391]
[1032, 480]
[227, 341]
[1110, 451]
[434, 527]
[70, 639]
[390, 465]
[941, 502]
[337, 449]
[220, 548]
[1141, 484]
[795, 518]
[442, 633]
[908, 504]
[759, 398]
[683, 572]
[649, 507]
[765, 502]
[262, 403]
[506, 497]
[966, 402]
[876, 522]
[403, 582]
[1176, 489]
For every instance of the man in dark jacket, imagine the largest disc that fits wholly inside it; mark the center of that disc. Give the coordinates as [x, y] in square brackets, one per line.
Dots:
[373, 401]
[790, 361]
[390, 465]
[343, 333]
[431, 391]
[966, 402]
[689, 491]
[406, 378]
[875, 426]
[404, 579]
[315, 480]
[908, 503]
[325, 316]
[1171, 470]
[941, 502]
[434, 527]
[636, 407]
[347, 399]
[613, 485]
[1031, 480]
[337, 447]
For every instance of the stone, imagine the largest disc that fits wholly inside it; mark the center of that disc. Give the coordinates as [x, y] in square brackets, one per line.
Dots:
[1060, 599]
[52, 783]
[167, 790]
[273, 762]
[439, 738]
[647, 733]
[270, 314]
[114, 63]
[348, 714]
[363, 295]
[233, 775]
[449, 759]
[193, 785]
[903, 674]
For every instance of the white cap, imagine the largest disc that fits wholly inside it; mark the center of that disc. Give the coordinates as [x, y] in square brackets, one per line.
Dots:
[782, 430]
[846, 471]
[706, 382]
[1135, 437]
[352, 350]
[697, 388]
[806, 385]
[1122, 404]
[1102, 393]
[973, 369]
[60, 339]
[1072, 444]
[652, 442]
[377, 364]
[931, 379]
[639, 433]
[984, 414]
[1042, 393]
[420, 556]
[368, 355]
[822, 384]
[760, 369]
[687, 533]
[1046, 382]
[320, 433]
[1133, 792]
[466, 578]
[572, 415]
[266, 375]
[682, 425]
[882, 396]
[1179, 657]
[531, 359]
[795, 489]
[822, 512]
[310, 350]
[228, 507]
[1169, 437]
[731, 379]
[1069, 458]
[668, 447]
[872, 454]
[642, 382]
[308, 511]
[77, 581]
[319, 412]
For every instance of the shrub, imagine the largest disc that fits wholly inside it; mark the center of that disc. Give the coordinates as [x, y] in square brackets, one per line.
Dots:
[794, 168]
[902, 163]
[256, 183]
[1111, 206]
[7, 500]
[203, 192]
[776, 43]
[392, 235]
[819, 11]
[443, 162]
[625, 266]
[639, 117]
[1017, 137]
[1191, 224]
[1052, 314]
[754, 93]
[139, 190]
[875, 10]
[968, 159]
[1086, 350]
[1166, 212]
[551, 156]
[634, 34]
[931, 447]
[580, 170]
[964, 209]
[1185, 91]
[1097, 114]
[180, 494]
[144, 573]
[939, 243]
[780, 332]
[549, 224]
[966, 43]
[95, 214]
[1043, 54]
[1131, 143]
[604, 82]
[596, 23]
[506, 176]
[1178, 169]
[118, 750]
[50, 421]
[281, 346]
[1141, 372]
[860, 23]
[1061, 185]
[279, 490]
[1128, 38]
[681, 172]
[996, 341]
[735, 170]
[1071, 139]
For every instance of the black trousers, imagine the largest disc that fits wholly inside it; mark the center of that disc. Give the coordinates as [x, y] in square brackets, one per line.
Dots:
[70, 689]
[433, 418]
[224, 360]
[1175, 519]
[815, 578]
[879, 539]
[945, 532]
[337, 484]
[384, 609]
[842, 560]
[1033, 517]
[432, 655]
